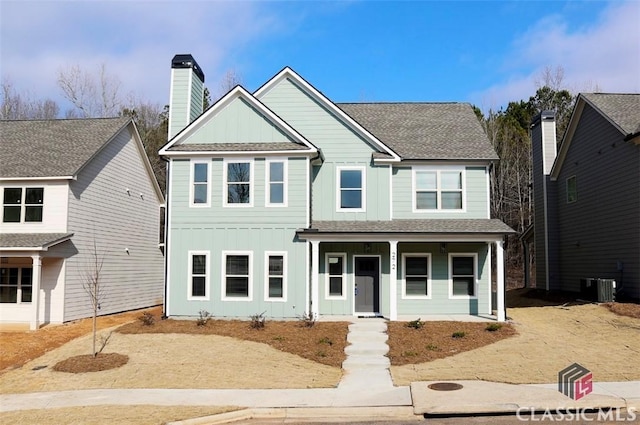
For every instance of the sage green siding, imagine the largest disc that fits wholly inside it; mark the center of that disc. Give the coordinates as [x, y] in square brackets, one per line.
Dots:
[340, 146]
[238, 122]
[476, 196]
[186, 99]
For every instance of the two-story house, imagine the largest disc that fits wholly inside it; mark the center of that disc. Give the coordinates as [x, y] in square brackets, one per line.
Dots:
[587, 196]
[78, 196]
[281, 201]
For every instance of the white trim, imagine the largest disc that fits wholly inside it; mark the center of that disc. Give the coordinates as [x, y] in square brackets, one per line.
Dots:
[308, 194]
[488, 266]
[207, 276]
[500, 305]
[171, 89]
[282, 254]
[438, 170]
[167, 236]
[315, 270]
[353, 284]
[393, 280]
[225, 164]
[390, 192]
[285, 182]
[474, 255]
[404, 276]
[23, 205]
[327, 276]
[11, 179]
[192, 166]
[221, 154]
[363, 188]
[405, 237]
[36, 283]
[223, 280]
[487, 173]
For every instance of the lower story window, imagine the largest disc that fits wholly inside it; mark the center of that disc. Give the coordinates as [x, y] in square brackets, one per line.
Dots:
[198, 274]
[237, 277]
[335, 275]
[275, 276]
[416, 275]
[15, 285]
[463, 275]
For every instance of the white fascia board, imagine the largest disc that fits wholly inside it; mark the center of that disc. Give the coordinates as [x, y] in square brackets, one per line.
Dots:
[386, 237]
[215, 154]
[11, 179]
[287, 72]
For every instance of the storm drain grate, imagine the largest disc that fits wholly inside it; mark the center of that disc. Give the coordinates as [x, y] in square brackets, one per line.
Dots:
[445, 386]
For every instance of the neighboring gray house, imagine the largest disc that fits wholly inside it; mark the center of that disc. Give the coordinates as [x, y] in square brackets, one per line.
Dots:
[587, 197]
[71, 190]
[281, 201]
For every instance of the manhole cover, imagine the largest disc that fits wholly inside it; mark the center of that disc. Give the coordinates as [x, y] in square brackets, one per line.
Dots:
[445, 386]
[39, 367]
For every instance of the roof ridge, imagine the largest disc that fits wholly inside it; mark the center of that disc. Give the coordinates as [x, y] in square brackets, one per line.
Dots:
[67, 119]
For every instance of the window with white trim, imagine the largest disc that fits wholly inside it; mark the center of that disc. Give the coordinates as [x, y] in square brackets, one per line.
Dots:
[15, 285]
[336, 275]
[463, 270]
[198, 275]
[276, 265]
[238, 183]
[22, 204]
[200, 178]
[438, 189]
[416, 275]
[351, 189]
[572, 190]
[276, 182]
[237, 276]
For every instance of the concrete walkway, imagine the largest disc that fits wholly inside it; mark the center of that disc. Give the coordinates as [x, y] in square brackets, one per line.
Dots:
[366, 384]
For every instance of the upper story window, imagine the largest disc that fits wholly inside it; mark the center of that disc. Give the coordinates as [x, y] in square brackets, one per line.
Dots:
[351, 189]
[200, 178]
[572, 190]
[238, 183]
[22, 205]
[276, 182]
[438, 189]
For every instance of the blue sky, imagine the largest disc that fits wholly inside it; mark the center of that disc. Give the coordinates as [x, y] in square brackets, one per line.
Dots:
[483, 52]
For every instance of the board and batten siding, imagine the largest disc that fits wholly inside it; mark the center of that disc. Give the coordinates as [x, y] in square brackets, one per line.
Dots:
[114, 204]
[340, 146]
[476, 196]
[599, 231]
[54, 207]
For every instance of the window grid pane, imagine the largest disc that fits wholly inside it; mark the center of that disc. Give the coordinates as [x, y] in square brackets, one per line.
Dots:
[237, 276]
[416, 276]
[463, 271]
[12, 195]
[351, 189]
[276, 193]
[336, 271]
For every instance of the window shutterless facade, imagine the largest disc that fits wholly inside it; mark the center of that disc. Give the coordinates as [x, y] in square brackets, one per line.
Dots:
[438, 189]
[22, 204]
[351, 191]
[416, 275]
[200, 179]
[15, 285]
[276, 278]
[336, 275]
[276, 178]
[572, 190]
[198, 279]
[237, 276]
[463, 272]
[238, 183]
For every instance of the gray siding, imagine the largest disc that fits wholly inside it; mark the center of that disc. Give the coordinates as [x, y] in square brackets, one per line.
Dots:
[600, 230]
[102, 211]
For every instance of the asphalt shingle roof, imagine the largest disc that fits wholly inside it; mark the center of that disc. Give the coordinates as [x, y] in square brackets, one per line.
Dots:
[31, 240]
[413, 226]
[622, 109]
[52, 148]
[425, 130]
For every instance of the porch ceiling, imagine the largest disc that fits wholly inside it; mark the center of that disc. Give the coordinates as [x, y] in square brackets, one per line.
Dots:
[31, 241]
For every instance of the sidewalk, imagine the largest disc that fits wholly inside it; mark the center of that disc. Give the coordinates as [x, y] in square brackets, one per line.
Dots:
[366, 384]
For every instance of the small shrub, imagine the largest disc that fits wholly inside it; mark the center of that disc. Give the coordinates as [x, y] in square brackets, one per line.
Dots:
[325, 340]
[321, 354]
[415, 324]
[458, 334]
[492, 327]
[432, 347]
[279, 338]
[410, 353]
[258, 320]
[147, 319]
[203, 318]
[308, 320]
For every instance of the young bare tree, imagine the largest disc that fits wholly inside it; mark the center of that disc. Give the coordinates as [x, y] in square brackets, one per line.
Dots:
[94, 95]
[92, 284]
[21, 106]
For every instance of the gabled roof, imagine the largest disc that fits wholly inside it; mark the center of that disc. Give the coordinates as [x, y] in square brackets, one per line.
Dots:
[290, 74]
[418, 131]
[176, 146]
[53, 148]
[622, 110]
[31, 241]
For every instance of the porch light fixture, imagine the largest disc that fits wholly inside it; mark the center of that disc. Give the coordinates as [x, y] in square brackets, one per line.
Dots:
[367, 247]
[443, 248]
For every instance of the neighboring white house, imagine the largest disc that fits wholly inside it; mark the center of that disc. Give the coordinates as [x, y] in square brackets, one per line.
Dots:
[73, 191]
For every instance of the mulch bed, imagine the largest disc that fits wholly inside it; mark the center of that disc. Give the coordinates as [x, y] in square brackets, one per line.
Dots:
[323, 342]
[436, 340]
[624, 309]
[89, 363]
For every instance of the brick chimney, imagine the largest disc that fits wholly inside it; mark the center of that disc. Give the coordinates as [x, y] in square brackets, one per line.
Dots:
[187, 93]
[544, 150]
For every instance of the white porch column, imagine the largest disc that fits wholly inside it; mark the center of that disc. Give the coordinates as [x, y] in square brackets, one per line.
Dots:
[393, 280]
[500, 281]
[490, 291]
[315, 270]
[35, 292]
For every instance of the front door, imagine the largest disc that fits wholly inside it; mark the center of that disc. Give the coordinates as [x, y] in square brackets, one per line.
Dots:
[367, 285]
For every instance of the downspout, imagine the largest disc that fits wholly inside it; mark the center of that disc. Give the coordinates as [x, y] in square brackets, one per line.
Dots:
[166, 237]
